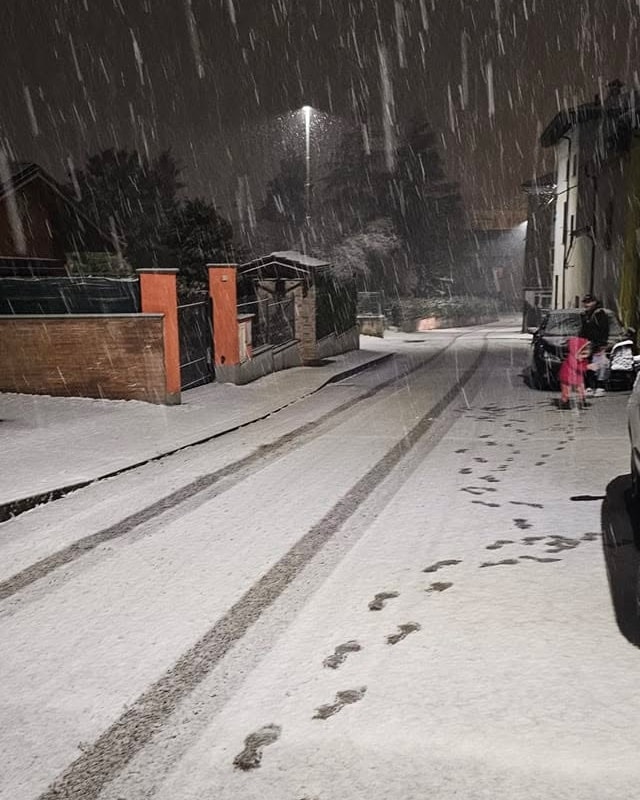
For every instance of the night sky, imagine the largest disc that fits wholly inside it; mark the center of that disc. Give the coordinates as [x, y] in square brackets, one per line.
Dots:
[217, 80]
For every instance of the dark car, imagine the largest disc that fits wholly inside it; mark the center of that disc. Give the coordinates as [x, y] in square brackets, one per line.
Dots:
[549, 344]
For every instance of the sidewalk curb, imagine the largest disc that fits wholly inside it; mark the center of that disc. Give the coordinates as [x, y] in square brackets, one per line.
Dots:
[13, 508]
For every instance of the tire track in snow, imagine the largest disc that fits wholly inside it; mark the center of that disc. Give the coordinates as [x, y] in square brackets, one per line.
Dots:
[237, 471]
[86, 777]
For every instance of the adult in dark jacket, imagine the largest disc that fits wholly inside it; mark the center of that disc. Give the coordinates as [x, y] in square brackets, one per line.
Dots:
[595, 328]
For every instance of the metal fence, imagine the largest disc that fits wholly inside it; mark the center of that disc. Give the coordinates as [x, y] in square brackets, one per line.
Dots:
[196, 344]
[69, 295]
[273, 321]
[370, 303]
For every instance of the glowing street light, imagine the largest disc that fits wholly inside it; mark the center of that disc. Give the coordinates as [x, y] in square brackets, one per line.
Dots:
[306, 110]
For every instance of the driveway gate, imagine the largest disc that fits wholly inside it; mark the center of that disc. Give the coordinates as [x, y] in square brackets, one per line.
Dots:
[280, 320]
[196, 344]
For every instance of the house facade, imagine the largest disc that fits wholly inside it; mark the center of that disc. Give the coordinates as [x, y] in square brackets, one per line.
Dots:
[594, 233]
[40, 223]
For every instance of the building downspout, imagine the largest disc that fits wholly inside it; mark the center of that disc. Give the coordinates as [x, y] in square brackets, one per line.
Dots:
[592, 273]
[565, 232]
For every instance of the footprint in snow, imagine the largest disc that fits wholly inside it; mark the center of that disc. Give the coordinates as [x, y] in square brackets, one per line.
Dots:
[340, 654]
[540, 560]
[477, 490]
[524, 503]
[522, 523]
[379, 601]
[480, 460]
[465, 471]
[499, 563]
[439, 586]
[344, 698]
[484, 503]
[251, 756]
[462, 450]
[403, 631]
[448, 562]
[499, 543]
[559, 543]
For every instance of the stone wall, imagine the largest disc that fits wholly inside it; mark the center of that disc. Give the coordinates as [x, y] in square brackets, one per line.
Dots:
[264, 361]
[337, 343]
[118, 356]
[372, 324]
[434, 323]
[305, 315]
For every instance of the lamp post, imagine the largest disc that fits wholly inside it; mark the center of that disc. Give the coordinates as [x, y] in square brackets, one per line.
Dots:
[306, 110]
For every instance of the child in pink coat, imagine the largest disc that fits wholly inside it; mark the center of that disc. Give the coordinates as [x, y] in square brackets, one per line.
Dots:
[572, 371]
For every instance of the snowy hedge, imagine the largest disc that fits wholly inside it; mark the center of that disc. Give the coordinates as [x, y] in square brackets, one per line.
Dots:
[410, 308]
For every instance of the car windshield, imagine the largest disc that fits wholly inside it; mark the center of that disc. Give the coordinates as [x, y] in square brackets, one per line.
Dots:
[562, 324]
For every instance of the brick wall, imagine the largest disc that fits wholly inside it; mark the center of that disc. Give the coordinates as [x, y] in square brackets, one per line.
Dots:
[305, 313]
[119, 356]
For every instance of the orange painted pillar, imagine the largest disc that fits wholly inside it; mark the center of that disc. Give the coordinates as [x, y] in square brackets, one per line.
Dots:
[224, 296]
[159, 295]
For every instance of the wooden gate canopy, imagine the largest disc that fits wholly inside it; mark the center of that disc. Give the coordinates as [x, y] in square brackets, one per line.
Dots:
[286, 265]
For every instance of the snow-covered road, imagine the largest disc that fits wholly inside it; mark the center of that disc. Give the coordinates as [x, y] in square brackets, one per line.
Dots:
[179, 649]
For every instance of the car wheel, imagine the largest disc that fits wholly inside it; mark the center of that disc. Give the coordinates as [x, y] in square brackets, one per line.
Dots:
[633, 503]
[538, 376]
[535, 380]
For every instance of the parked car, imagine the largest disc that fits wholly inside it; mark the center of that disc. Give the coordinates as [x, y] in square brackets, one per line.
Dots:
[633, 412]
[549, 344]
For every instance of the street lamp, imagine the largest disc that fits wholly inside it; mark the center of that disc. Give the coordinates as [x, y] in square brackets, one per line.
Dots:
[306, 110]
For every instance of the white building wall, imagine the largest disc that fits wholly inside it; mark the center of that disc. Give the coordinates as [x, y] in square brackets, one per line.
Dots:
[570, 273]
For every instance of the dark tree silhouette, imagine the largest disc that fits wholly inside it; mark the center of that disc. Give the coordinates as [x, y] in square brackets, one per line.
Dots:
[285, 194]
[197, 235]
[358, 186]
[427, 207]
[133, 197]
